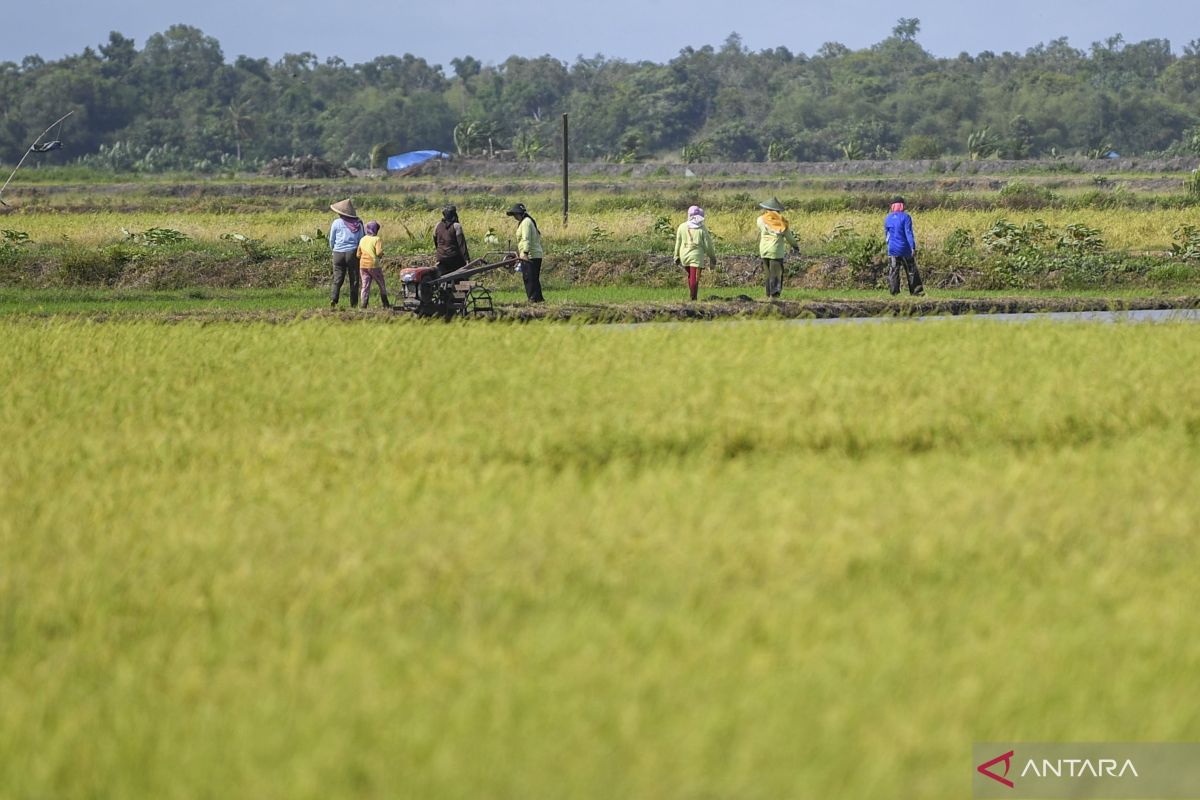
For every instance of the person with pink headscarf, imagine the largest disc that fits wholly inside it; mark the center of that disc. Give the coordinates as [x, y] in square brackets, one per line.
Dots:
[693, 243]
[370, 259]
[902, 249]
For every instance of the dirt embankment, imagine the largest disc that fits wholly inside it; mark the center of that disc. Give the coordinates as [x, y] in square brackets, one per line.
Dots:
[467, 177]
[710, 309]
[746, 307]
[788, 170]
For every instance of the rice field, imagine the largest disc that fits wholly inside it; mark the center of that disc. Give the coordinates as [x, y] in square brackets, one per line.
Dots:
[754, 560]
[411, 231]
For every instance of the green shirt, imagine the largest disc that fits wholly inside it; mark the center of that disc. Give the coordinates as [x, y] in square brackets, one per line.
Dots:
[772, 244]
[529, 240]
[692, 245]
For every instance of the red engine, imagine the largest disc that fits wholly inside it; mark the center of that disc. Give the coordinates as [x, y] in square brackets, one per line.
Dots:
[417, 274]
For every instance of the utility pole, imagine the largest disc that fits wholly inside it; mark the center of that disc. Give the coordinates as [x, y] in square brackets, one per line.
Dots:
[566, 187]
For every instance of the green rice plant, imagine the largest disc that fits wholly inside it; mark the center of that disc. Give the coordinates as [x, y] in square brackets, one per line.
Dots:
[210, 588]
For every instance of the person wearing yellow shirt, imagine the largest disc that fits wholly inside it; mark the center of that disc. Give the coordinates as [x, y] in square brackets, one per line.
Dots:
[529, 252]
[370, 254]
[774, 236]
[693, 246]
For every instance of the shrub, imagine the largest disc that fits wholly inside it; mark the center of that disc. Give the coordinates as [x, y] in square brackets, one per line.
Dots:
[253, 249]
[89, 266]
[862, 253]
[156, 237]
[1186, 243]
[1193, 184]
[1080, 240]
[662, 229]
[919, 147]
[1019, 195]
[960, 243]
[11, 244]
[1173, 273]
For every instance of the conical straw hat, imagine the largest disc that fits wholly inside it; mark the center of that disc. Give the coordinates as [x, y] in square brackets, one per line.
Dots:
[345, 208]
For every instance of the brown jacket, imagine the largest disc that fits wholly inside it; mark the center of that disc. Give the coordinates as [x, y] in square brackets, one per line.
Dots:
[450, 241]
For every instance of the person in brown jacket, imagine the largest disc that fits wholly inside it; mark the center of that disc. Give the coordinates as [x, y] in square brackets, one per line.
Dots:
[450, 242]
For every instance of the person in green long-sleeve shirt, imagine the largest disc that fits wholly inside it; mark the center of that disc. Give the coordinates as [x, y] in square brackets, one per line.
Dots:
[693, 243]
[529, 252]
[774, 236]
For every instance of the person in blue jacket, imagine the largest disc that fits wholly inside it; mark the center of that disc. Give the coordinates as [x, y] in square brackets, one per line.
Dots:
[902, 248]
[344, 235]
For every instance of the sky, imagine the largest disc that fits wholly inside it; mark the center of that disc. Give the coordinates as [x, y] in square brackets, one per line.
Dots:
[633, 30]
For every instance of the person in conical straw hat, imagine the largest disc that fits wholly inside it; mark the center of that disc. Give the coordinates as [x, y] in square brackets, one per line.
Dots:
[774, 236]
[344, 235]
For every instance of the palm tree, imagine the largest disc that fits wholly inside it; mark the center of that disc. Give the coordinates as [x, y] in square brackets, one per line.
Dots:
[242, 124]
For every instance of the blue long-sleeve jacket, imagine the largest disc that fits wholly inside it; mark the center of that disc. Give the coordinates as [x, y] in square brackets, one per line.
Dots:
[897, 229]
[342, 239]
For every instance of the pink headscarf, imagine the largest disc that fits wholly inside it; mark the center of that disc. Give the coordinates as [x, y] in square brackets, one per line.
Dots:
[695, 217]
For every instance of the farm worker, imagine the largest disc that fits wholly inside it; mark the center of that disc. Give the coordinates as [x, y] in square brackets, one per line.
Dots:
[529, 252]
[902, 249]
[692, 243]
[450, 242]
[370, 253]
[344, 235]
[774, 236]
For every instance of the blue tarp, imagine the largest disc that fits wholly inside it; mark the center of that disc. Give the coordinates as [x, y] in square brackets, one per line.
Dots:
[406, 160]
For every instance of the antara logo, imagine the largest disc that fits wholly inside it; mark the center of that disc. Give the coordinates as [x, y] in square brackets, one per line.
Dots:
[1080, 768]
[1059, 768]
[986, 768]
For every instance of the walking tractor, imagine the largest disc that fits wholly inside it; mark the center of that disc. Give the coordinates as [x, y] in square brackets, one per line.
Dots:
[456, 294]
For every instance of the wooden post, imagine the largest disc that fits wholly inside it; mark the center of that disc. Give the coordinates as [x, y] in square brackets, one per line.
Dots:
[566, 188]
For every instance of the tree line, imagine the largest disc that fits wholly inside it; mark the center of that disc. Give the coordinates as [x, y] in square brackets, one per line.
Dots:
[178, 104]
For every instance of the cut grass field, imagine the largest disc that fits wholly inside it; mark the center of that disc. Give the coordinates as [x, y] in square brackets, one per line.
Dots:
[753, 561]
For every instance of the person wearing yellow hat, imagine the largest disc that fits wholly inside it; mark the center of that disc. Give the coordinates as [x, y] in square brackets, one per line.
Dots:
[774, 236]
[344, 235]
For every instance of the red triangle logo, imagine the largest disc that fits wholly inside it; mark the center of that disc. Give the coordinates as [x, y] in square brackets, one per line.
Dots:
[986, 769]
